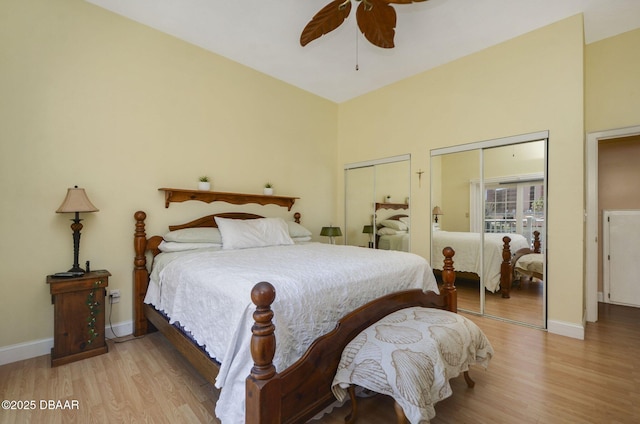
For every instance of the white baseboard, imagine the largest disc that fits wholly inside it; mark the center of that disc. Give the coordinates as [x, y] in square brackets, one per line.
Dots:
[567, 329]
[119, 330]
[31, 349]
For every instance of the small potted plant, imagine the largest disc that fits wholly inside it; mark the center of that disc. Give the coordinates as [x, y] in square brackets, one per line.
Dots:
[204, 183]
[268, 189]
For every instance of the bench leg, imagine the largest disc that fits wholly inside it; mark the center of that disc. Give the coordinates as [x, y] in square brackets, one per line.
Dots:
[470, 382]
[353, 415]
[399, 413]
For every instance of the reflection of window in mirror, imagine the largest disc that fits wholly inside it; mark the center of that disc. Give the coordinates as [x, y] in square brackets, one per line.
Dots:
[515, 208]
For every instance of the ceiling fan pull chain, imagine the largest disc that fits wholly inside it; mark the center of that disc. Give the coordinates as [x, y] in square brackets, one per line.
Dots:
[357, 67]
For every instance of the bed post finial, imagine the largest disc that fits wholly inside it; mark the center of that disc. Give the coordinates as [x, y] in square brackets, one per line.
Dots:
[505, 268]
[263, 339]
[449, 278]
[536, 241]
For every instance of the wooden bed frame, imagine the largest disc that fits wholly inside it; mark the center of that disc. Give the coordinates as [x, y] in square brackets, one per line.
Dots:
[507, 268]
[298, 393]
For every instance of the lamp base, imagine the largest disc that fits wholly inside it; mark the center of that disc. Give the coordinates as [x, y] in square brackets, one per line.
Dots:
[76, 269]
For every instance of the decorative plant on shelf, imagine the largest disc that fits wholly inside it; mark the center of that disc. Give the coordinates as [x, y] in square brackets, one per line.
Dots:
[268, 189]
[204, 183]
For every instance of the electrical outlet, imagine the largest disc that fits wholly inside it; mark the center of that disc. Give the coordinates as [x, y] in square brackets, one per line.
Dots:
[114, 296]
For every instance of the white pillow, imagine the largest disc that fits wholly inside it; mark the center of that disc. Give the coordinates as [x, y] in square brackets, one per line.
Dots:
[172, 246]
[194, 235]
[386, 231]
[297, 230]
[245, 233]
[405, 220]
[301, 239]
[396, 225]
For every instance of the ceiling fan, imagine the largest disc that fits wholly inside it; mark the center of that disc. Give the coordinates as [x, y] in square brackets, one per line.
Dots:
[376, 20]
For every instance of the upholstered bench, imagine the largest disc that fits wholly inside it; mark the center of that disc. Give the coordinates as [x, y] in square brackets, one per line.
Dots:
[411, 355]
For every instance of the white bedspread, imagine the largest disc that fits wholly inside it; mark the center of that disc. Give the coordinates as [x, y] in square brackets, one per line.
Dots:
[398, 241]
[467, 248]
[208, 293]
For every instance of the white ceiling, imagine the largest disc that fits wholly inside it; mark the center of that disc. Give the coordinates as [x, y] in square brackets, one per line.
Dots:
[264, 34]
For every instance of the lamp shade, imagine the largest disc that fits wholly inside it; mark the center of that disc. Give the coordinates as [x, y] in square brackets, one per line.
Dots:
[76, 201]
[331, 231]
[437, 211]
[367, 229]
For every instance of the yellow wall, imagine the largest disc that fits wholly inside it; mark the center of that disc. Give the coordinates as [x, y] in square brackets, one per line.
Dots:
[612, 82]
[93, 99]
[528, 84]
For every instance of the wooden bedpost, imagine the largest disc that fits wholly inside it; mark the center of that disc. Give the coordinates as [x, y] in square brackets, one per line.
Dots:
[505, 268]
[140, 275]
[448, 279]
[536, 242]
[262, 400]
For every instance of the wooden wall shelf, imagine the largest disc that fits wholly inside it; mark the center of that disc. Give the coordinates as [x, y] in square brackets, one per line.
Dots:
[394, 206]
[182, 195]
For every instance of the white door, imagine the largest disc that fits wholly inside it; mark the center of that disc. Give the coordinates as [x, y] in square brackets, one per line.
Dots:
[621, 257]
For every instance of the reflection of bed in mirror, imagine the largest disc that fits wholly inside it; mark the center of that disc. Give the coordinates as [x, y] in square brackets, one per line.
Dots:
[527, 263]
[392, 232]
[467, 247]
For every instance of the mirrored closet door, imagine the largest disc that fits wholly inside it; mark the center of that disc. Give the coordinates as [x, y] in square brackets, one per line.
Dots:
[377, 212]
[485, 192]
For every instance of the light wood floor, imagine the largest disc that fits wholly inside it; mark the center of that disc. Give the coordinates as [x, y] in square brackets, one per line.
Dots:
[534, 377]
[524, 305]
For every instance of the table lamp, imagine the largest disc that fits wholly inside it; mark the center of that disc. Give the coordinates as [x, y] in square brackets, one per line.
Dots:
[331, 232]
[437, 211]
[368, 229]
[76, 201]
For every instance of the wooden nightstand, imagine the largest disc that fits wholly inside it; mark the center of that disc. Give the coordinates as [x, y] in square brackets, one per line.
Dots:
[79, 304]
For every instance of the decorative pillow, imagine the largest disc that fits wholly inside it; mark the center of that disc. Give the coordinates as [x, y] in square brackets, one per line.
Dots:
[194, 235]
[173, 246]
[245, 233]
[386, 231]
[392, 223]
[297, 230]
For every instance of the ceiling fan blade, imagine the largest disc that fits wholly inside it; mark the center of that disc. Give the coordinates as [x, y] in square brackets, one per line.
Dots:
[377, 22]
[326, 20]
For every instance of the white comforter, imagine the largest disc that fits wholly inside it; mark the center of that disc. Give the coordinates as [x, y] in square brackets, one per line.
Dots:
[208, 293]
[467, 248]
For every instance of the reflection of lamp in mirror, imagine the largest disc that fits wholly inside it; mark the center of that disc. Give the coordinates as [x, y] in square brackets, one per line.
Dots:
[368, 229]
[76, 201]
[436, 211]
[331, 232]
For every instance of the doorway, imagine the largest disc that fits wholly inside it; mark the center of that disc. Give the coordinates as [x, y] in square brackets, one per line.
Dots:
[593, 219]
